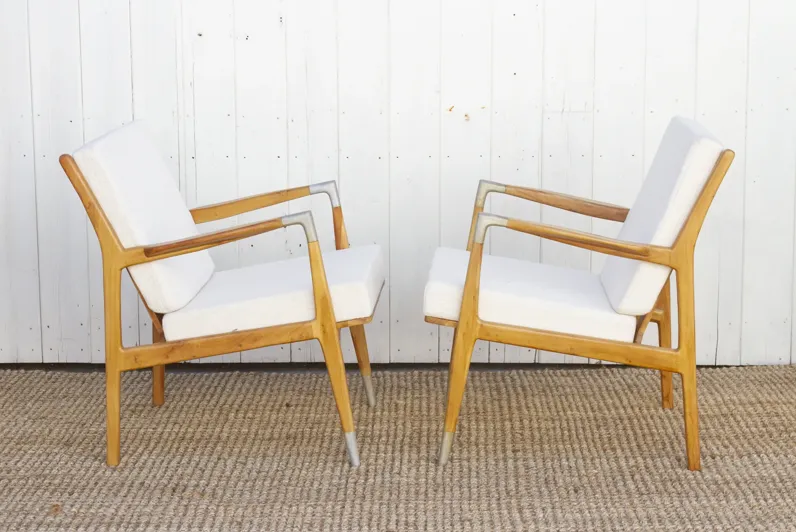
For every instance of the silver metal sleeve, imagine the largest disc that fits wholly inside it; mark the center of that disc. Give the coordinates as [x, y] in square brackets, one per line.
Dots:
[329, 188]
[484, 221]
[484, 188]
[305, 220]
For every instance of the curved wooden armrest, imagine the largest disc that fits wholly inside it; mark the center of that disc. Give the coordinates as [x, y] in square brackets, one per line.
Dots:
[144, 254]
[587, 207]
[601, 244]
[226, 209]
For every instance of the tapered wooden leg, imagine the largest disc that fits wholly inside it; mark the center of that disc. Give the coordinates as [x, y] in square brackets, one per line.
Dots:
[667, 399]
[333, 355]
[461, 354]
[158, 385]
[113, 383]
[158, 373]
[665, 340]
[361, 349]
[113, 343]
[691, 414]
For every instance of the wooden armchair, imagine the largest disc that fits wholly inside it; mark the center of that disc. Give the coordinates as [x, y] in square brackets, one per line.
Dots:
[144, 226]
[568, 311]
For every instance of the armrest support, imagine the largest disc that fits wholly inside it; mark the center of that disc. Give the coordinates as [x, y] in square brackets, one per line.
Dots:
[227, 209]
[609, 246]
[587, 207]
[144, 254]
[584, 206]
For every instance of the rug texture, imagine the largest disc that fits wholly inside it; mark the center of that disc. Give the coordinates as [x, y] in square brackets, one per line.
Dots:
[536, 449]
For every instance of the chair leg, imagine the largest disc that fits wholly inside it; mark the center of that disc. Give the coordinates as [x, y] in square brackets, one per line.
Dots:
[361, 349]
[333, 354]
[667, 400]
[665, 340]
[691, 415]
[158, 385]
[113, 383]
[158, 373]
[461, 354]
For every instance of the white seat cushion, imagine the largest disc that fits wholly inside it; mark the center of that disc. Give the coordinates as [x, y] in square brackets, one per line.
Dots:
[526, 294]
[277, 293]
[679, 171]
[138, 194]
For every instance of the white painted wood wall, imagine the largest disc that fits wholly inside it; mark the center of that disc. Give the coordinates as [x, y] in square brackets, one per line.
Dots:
[407, 103]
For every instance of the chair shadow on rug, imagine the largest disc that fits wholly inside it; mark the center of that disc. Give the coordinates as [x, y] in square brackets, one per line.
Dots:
[144, 226]
[574, 312]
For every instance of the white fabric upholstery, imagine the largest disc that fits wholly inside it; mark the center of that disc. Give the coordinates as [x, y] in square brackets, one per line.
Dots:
[526, 294]
[277, 293]
[140, 198]
[679, 171]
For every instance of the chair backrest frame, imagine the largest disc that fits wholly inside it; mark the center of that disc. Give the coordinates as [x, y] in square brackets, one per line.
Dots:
[110, 245]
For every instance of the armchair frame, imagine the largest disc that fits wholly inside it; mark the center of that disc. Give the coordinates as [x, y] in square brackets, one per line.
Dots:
[668, 360]
[323, 327]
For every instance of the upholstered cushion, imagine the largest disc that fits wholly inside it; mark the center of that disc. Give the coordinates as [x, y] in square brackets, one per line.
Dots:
[276, 293]
[526, 294]
[140, 198]
[679, 171]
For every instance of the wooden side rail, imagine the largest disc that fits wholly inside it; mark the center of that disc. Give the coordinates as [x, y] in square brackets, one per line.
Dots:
[144, 254]
[601, 244]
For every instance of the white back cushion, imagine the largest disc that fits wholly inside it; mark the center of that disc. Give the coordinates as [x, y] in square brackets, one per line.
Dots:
[140, 198]
[684, 161]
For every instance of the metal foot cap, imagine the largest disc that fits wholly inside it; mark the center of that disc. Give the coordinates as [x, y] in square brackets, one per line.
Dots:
[351, 445]
[445, 448]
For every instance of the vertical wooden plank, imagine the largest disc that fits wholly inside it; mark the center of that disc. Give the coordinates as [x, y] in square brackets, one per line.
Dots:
[618, 108]
[414, 174]
[312, 126]
[261, 132]
[20, 329]
[154, 26]
[215, 120]
[107, 104]
[364, 128]
[465, 152]
[720, 106]
[185, 104]
[568, 127]
[766, 335]
[670, 81]
[670, 68]
[516, 132]
[618, 112]
[57, 126]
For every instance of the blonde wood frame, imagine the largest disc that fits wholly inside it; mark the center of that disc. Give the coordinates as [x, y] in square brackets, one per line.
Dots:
[323, 327]
[679, 257]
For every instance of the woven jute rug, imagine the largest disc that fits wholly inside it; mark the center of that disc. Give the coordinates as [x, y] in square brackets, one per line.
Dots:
[559, 449]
